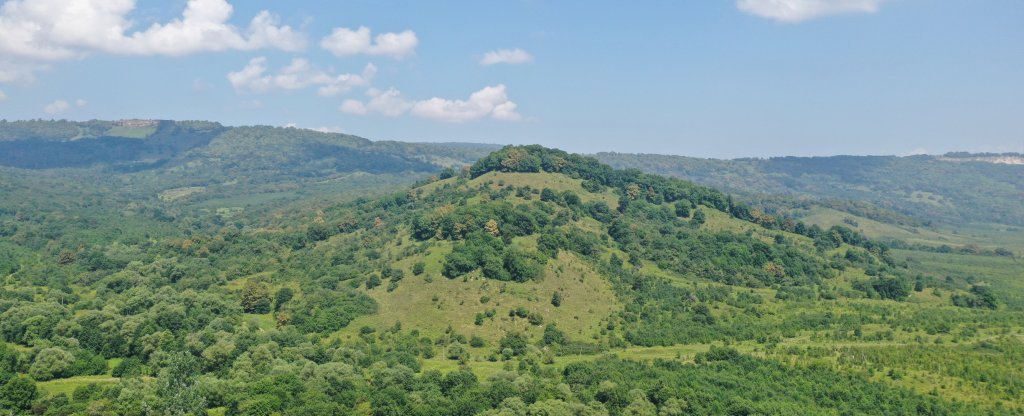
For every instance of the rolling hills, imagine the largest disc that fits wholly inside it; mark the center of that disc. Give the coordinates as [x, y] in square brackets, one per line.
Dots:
[532, 281]
[950, 190]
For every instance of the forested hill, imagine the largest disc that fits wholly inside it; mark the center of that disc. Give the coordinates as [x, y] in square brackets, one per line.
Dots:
[950, 189]
[533, 282]
[164, 169]
[146, 144]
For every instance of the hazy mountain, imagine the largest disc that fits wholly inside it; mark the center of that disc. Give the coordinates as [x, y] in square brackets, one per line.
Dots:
[952, 189]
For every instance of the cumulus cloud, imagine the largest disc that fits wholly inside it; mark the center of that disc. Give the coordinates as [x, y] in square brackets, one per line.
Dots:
[347, 42]
[34, 32]
[793, 11]
[506, 56]
[3, 97]
[80, 102]
[56, 107]
[299, 74]
[353, 107]
[490, 102]
[389, 103]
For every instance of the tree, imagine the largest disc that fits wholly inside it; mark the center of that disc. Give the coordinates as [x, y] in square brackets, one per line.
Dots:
[514, 341]
[255, 297]
[985, 297]
[176, 388]
[552, 335]
[50, 363]
[639, 405]
[890, 288]
[698, 218]
[521, 266]
[549, 195]
[556, 299]
[284, 294]
[491, 227]
[683, 208]
[18, 393]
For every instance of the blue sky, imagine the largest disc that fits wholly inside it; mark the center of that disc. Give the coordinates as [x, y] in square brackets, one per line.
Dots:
[700, 78]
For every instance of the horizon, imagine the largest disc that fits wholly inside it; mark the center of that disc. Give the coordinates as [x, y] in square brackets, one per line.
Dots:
[586, 153]
[750, 78]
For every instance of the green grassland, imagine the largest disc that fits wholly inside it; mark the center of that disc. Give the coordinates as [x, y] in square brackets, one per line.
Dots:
[984, 236]
[131, 132]
[435, 305]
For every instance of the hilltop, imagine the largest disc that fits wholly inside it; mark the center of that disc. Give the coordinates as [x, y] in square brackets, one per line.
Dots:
[533, 278]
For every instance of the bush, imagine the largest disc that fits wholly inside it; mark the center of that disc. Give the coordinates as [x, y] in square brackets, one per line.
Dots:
[53, 362]
[476, 342]
[515, 342]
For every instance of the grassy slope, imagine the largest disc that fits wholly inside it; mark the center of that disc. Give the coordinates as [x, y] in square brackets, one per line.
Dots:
[412, 304]
[982, 235]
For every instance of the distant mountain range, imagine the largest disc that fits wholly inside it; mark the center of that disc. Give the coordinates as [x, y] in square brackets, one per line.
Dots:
[198, 160]
[952, 188]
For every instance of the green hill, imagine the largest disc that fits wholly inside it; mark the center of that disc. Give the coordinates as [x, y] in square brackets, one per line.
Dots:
[950, 190]
[531, 282]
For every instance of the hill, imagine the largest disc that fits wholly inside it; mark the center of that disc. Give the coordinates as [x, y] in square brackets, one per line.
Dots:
[157, 172]
[531, 282]
[951, 190]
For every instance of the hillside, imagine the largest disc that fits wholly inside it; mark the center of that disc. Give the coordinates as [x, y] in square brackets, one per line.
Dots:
[531, 282]
[950, 190]
[156, 172]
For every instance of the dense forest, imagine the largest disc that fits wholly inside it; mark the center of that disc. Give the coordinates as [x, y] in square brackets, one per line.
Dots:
[528, 282]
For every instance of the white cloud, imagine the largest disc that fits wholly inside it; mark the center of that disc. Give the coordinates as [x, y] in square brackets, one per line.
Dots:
[34, 32]
[346, 42]
[3, 97]
[80, 102]
[490, 102]
[793, 11]
[323, 129]
[353, 107]
[299, 74]
[57, 107]
[12, 70]
[506, 56]
[389, 103]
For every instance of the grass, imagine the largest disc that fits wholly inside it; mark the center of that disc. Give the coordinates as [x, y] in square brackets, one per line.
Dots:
[432, 306]
[1006, 275]
[484, 369]
[538, 181]
[179, 193]
[983, 235]
[68, 385]
[131, 132]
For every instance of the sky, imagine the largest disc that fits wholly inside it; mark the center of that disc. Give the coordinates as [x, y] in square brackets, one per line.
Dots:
[723, 78]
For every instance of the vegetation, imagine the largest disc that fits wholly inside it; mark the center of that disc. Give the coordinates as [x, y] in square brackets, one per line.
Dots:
[531, 282]
[914, 190]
